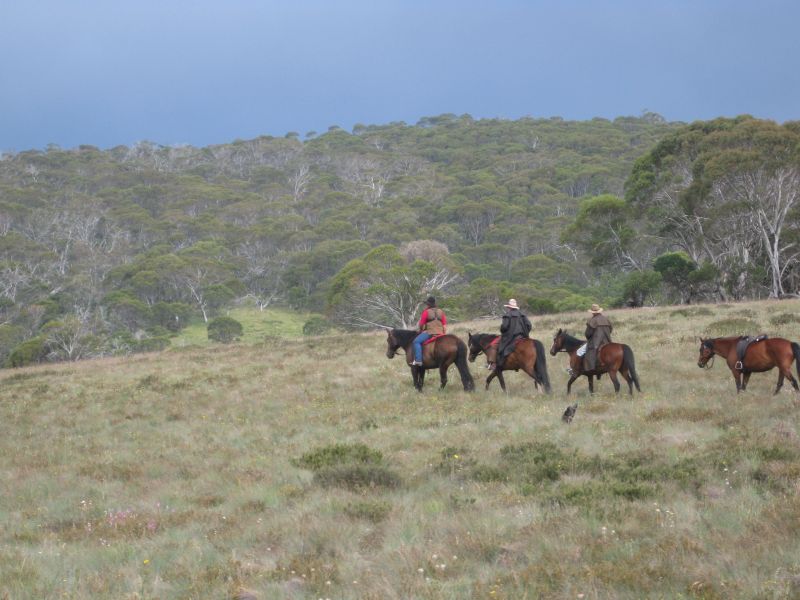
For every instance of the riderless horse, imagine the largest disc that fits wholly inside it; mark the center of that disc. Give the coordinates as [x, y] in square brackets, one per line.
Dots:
[762, 355]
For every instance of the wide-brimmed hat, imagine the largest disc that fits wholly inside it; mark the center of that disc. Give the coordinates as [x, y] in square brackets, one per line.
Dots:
[596, 310]
[431, 301]
[511, 304]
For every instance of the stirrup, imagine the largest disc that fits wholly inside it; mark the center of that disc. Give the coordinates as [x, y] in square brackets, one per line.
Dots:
[738, 366]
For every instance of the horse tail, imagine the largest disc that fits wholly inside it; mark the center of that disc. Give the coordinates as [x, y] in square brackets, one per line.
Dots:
[796, 351]
[540, 368]
[463, 367]
[628, 362]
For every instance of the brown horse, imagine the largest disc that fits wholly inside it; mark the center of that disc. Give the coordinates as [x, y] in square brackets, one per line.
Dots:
[759, 357]
[440, 353]
[612, 358]
[528, 355]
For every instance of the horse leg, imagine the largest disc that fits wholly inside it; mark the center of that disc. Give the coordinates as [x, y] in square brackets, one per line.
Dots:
[572, 378]
[591, 382]
[745, 379]
[792, 379]
[613, 375]
[415, 377]
[628, 379]
[785, 371]
[529, 369]
[780, 381]
[421, 377]
[737, 377]
[491, 376]
[501, 380]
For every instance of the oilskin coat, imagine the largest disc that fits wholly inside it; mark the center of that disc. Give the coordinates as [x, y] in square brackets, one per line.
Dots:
[598, 332]
[515, 325]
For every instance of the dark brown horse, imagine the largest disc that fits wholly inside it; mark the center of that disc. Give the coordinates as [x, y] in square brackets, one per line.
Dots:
[759, 357]
[439, 354]
[612, 358]
[528, 355]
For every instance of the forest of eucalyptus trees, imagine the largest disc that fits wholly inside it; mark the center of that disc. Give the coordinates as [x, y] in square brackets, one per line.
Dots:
[113, 251]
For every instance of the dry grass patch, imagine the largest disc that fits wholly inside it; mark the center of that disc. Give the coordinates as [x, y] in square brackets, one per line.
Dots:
[275, 458]
[693, 414]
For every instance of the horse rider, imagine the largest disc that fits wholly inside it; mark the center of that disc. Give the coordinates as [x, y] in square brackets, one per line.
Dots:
[515, 326]
[432, 322]
[598, 332]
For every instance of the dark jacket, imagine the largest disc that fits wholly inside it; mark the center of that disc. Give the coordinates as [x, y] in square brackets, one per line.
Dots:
[598, 331]
[515, 325]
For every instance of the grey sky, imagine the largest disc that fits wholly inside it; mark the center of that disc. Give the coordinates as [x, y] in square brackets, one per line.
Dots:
[109, 72]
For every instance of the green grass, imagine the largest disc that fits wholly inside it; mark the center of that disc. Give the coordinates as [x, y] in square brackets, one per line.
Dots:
[257, 326]
[268, 471]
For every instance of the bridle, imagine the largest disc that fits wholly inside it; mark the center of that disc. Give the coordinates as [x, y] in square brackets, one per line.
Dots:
[710, 362]
[396, 345]
[479, 344]
[561, 346]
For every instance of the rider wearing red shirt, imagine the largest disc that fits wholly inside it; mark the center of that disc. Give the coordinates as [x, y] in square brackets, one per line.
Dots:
[432, 322]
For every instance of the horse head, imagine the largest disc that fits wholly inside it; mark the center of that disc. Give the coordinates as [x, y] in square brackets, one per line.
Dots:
[474, 346]
[706, 353]
[392, 345]
[558, 342]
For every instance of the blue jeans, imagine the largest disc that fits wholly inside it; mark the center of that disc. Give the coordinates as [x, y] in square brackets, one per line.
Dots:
[418, 345]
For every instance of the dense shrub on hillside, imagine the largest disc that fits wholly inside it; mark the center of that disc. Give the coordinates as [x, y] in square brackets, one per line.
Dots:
[349, 466]
[317, 326]
[152, 344]
[224, 329]
[784, 319]
[541, 306]
[27, 353]
[10, 336]
[733, 326]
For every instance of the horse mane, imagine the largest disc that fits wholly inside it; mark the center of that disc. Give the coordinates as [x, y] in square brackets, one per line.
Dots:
[571, 343]
[709, 342]
[484, 337]
[404, 336]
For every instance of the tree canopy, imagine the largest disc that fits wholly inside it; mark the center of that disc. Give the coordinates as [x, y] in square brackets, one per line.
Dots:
[124, 246]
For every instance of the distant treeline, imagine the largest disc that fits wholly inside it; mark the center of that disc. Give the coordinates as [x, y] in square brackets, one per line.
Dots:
[113, 251]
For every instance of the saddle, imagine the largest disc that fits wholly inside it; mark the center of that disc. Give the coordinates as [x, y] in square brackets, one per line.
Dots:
[433, 339]
[585, 355]
[514, 342]
[742, 345]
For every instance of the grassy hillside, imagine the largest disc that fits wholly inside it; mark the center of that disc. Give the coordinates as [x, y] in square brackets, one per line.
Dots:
[257, 326]
[219, 472]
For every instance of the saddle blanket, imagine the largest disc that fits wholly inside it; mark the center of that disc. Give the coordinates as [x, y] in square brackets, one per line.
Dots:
[432, 339]
[496, 341]
[582, 350]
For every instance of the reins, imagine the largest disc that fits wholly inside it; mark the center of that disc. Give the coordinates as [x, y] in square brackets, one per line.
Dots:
[710, 362]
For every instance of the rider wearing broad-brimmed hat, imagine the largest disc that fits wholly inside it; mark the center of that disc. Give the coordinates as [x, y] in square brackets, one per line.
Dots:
[598, 332]
[515, 326]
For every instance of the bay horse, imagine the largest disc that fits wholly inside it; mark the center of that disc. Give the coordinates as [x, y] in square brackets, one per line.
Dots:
[612, 358]
[440, 353]
[528, 355]
[760, 356]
